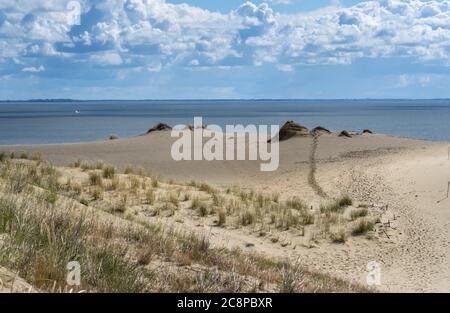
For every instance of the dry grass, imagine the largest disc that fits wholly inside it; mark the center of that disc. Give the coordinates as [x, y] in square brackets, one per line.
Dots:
[109, 172]
[89, 166]
[150, 197]
[197, 204]
[339, 236]
[345, 201]
[120, 206]
[357, 213]
[246, 218]
[42, 242]
[222, 218]
[129, 170]
[95, 179]
[332, 207]
[113, 185]
[46, 227]
[363, 226]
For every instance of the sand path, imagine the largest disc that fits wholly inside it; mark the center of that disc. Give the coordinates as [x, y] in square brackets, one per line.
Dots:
[409, 183]
[418, 181]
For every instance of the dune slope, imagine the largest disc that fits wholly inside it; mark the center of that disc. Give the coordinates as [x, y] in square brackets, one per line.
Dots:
[401, 181]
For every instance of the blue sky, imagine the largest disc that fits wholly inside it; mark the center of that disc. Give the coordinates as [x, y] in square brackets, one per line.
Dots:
[155, 49]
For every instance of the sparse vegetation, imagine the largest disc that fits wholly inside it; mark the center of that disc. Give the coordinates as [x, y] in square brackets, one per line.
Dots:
[114, 184]
[51, 197]
[109, 172]
[97, 193]
[222, 218]
[128, 170]
[173, 198]
[95, 179]
[296, 203]
[89, 166]
[363, 226]
[84, 201]
[120, 206]
[345, 201]
[46, 227]
[150, 197]
[339, 236]
[206, 188]
[357, 213]
[195, 203]
[77, 163]
[275, 197]
[290, 278]
[202, 210]
[331, 207]
[338, 205]
[246, 218]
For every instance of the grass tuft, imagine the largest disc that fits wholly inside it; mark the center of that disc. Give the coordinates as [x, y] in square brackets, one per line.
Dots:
[109, 172]
[339, 236]
[357, 213]
[345, 201]
[362, 226]
[95, 179]
[222, 218]
[332, 207]
[150, 197]
[246, 218]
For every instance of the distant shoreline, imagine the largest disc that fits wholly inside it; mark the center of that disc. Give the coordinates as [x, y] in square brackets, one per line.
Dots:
[222, 100]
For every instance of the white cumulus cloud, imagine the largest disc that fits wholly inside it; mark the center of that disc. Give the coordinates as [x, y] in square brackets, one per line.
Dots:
[154, 34]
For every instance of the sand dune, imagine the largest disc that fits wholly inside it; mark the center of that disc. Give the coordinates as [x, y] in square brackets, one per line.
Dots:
[403, 179]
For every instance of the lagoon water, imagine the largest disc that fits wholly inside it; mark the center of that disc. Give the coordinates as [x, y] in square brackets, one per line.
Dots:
[63, 122]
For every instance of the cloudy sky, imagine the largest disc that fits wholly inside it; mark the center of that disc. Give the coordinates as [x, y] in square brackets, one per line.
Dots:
[195, 49]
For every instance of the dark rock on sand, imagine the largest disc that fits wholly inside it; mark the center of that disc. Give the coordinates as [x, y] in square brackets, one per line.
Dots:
[367, 131]
[319, 130]
[113, 137]
[345, 133]
[291, 129]
[159, 127]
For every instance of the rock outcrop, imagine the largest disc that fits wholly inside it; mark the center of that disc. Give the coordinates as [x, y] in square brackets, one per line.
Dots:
[319, 130]
[291, 129]
[345, 133]
[159, 127]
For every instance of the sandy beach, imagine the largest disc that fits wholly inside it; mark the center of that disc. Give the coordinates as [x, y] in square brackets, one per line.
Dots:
[403, 180]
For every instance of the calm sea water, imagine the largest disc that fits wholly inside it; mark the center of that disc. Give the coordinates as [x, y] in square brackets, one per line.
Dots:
[52, 122]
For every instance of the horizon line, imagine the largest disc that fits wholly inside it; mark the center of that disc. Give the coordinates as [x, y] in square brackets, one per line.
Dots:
[215, 99]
